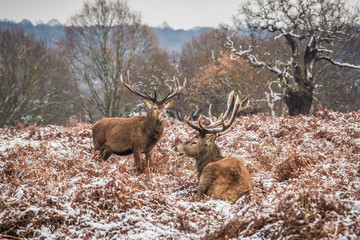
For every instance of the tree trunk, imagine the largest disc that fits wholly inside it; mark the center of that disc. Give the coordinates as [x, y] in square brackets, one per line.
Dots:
[298, 101]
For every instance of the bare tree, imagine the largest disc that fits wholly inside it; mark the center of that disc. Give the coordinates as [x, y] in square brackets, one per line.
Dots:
[310, 29]
[104, 41]
[35, 82]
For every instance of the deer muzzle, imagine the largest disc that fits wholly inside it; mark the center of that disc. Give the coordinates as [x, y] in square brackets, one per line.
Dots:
[179, 149]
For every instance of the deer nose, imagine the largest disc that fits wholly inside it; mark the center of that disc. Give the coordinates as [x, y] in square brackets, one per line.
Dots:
[175, 149]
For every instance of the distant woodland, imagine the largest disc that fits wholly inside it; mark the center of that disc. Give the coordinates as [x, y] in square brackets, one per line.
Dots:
[53, 31]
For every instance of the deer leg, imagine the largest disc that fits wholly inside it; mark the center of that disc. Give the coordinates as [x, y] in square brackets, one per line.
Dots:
[205, 181]
[138, 162]
[105, 154]
[203, 186]
[148, 157]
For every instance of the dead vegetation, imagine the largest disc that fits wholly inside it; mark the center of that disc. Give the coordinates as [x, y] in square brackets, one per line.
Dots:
[306, 173]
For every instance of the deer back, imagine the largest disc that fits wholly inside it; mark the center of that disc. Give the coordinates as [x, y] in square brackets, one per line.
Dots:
[119, 134]
[225, 178]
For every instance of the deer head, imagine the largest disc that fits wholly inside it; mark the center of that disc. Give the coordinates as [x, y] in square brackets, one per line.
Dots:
[157, 107]
[202, 147]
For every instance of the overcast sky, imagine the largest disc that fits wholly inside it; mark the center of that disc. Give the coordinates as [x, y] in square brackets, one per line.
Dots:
[179, 14]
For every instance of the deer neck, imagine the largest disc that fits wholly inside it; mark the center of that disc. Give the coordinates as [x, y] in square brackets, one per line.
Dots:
[153, 128]
[212, 153]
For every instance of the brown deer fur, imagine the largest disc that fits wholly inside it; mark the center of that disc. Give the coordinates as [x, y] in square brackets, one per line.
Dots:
[124, 136]
[135, 135]
[219, 177]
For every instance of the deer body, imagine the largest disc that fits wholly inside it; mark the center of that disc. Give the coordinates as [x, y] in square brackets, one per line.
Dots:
[219, 177]
[225, 178]
[135, 135]
[124, 136]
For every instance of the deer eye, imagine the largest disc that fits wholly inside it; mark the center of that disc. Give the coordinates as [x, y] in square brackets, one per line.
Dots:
[193, 143]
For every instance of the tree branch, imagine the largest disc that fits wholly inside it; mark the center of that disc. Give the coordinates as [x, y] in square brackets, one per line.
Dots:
[252, 58]
[339, 64]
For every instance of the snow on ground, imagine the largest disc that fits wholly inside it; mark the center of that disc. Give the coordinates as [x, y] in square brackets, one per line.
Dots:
[306, 172]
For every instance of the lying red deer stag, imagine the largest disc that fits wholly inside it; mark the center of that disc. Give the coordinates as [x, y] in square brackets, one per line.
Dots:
[137, 135]
[219, 177]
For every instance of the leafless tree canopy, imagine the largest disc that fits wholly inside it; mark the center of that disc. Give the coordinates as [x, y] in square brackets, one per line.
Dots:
[34, 81]
[310, 29]
[105, 40]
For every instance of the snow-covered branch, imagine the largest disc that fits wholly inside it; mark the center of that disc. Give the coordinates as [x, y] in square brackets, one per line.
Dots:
[321, 49]
[291, 33]
[336, 63]
[252, 58]
[272, 97]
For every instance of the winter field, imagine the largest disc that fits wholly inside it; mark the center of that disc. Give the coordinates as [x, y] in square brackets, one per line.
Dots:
[306, 172]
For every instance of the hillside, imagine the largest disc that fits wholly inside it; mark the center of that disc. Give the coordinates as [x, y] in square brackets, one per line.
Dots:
[173, 40]
[169, 38]
[306, 171]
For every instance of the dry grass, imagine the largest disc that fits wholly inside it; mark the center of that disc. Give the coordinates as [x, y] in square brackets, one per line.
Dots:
[306, 171]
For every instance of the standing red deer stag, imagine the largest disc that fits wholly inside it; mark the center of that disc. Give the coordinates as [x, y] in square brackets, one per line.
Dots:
[219, 177]
[137, 135]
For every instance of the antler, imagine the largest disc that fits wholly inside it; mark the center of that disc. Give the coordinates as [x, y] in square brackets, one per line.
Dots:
[178, 89]
[229, 105]
[221, 126]
[133, 90]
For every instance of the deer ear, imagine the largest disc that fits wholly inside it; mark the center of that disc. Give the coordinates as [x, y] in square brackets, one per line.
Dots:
[211, 138]
[168, 104]
[147, 103]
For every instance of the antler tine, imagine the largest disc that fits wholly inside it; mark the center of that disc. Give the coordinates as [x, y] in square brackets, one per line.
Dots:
[178, 89]
[218, 120]
[149, 96]
[229, 106]
[244, 104]
[227, 126]
[223, 125]
[154, 99]
[187, 120]
[203, 130]
[230, 103]
[240, 107]
[128, 85]
[210, 114]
